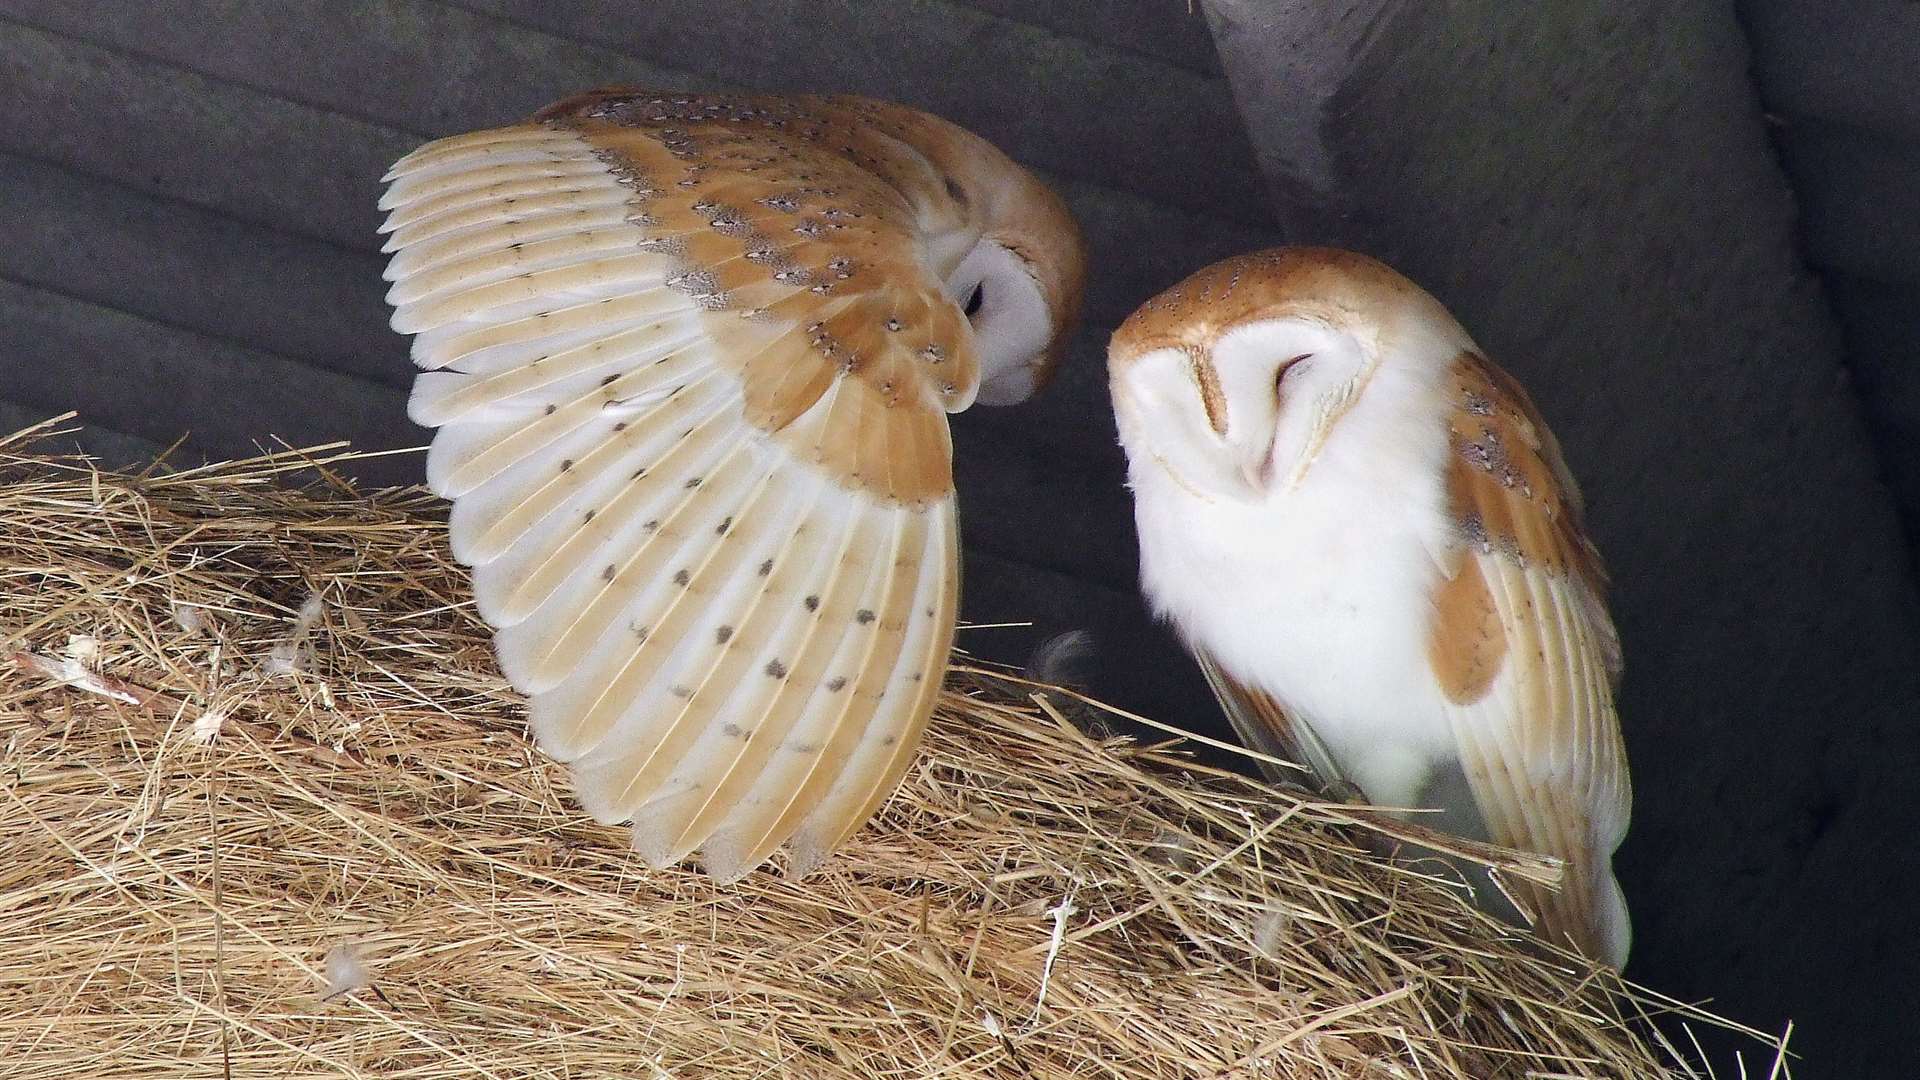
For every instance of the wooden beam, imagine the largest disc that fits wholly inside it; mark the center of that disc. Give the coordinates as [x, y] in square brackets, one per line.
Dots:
[187, 266]
[160, 382]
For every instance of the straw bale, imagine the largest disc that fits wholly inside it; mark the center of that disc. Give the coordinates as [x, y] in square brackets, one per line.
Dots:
[268, 809]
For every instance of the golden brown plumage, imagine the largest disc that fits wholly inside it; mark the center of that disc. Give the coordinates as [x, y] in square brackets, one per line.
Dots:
[691, 357]
[1527, 598]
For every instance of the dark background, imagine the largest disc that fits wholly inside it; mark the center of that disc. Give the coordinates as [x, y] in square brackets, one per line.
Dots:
[1693, 229]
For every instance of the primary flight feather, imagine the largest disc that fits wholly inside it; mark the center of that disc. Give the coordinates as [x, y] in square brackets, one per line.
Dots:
[1367, 536]
[690, 358]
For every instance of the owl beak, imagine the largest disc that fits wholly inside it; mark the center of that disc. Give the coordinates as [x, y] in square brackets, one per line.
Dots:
[1256, 466]
[1258, 474]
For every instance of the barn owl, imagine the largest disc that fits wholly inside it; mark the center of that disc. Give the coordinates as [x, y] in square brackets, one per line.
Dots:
[689, 358]
[1366, 535]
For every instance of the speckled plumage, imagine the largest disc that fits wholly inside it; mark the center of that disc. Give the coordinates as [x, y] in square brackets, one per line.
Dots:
[1367, 535]
[690, 358]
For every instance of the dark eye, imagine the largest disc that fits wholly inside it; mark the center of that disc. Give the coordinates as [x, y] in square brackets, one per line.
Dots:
[1289, 366]
[974, 301]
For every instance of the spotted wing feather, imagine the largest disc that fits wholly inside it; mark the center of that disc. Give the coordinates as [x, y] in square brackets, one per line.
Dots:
[1526, 653]
[690, 380]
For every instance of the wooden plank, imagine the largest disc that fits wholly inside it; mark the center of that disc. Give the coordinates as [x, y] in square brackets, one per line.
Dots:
[1882, 323]
[184, 136]
[427, 67]
[306, 170]
[1043, 509]
[159, 382]
[1094, 114]
[412, 65]
[186, 266]
[1137, 248]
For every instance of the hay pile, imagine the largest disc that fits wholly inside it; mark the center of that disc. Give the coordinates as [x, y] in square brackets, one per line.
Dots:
[269, 809]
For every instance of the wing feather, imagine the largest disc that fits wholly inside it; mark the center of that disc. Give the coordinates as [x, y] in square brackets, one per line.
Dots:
[496, 263]
[1263, 725]
[502, 185]
[473, 149]
[672, 426]
[584, 597]
[441, 397]
[594, 279]
[630, 780]
[690, 382]
[499, 445]
[736, 757]
[1539, 742]
[490, 240]
[890, 698]
[478, 348]
[817, 746]
[615, 686]
[559, 202]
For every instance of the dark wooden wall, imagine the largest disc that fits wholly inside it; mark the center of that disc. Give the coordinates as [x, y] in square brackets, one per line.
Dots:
[190, 247]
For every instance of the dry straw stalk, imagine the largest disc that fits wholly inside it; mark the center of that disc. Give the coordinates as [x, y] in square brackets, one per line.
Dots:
[269, 810]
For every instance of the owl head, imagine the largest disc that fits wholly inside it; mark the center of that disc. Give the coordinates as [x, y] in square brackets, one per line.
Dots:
[1234, 380]
[1016, 263]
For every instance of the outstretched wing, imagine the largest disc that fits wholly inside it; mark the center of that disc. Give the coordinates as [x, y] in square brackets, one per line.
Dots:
[690, 379]
[1524, 649]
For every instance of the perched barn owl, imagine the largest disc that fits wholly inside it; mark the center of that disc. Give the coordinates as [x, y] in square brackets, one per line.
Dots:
[690, 358]
[1366, 535]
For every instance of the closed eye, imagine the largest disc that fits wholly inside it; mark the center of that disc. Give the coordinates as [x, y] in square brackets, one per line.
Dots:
[1289, 366]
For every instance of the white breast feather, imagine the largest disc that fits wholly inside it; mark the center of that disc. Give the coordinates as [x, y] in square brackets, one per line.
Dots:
[1320, 595]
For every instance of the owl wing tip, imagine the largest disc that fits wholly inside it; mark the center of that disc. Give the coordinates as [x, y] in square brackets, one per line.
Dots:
[724, 873]
[806, 855]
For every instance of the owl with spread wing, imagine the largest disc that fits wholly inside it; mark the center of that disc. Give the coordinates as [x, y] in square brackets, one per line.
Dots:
[690, 359]
[1365, 533]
